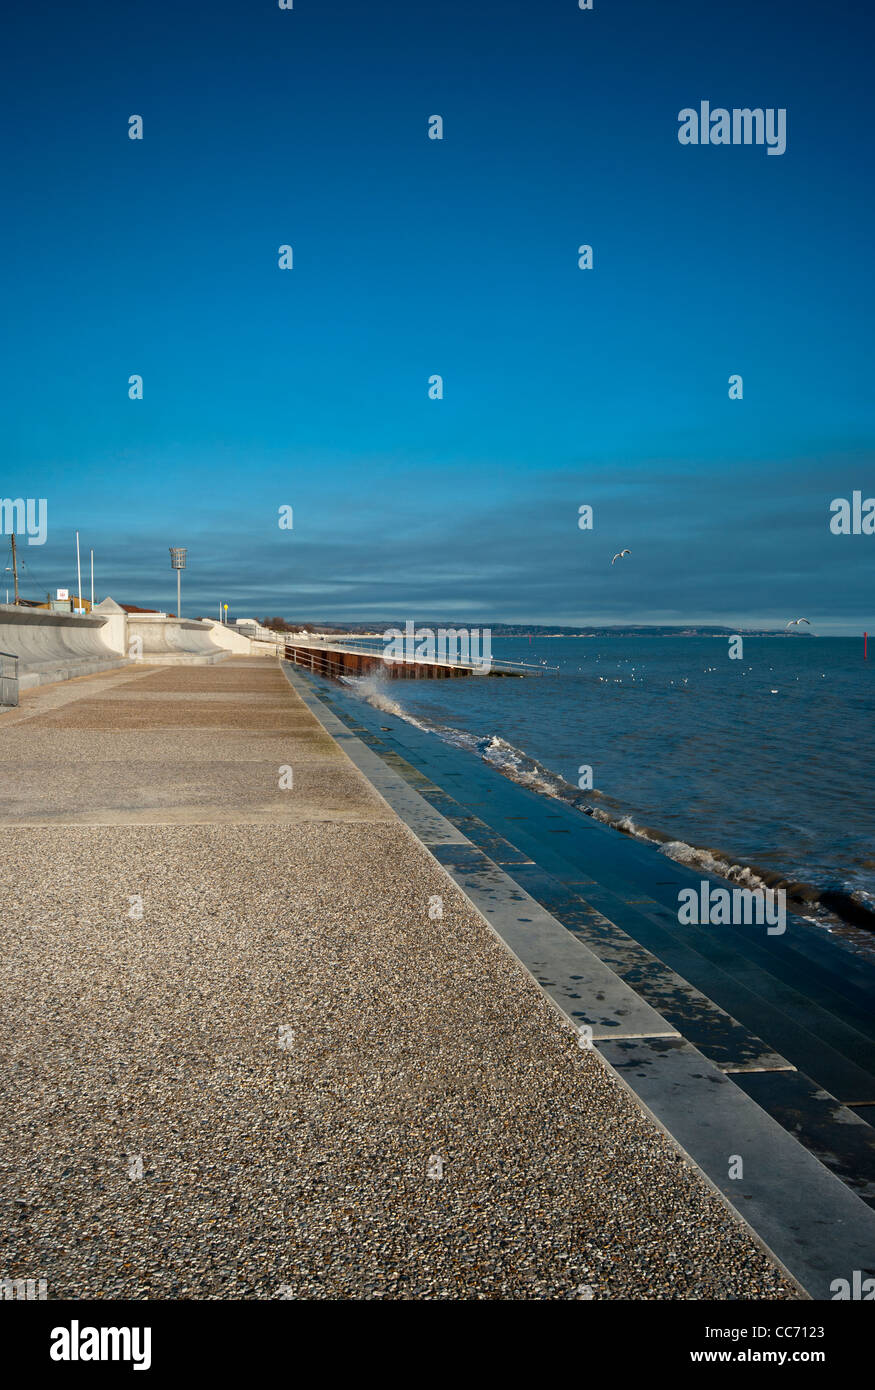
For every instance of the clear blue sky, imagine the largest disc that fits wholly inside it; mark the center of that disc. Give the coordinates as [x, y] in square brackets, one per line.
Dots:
[458, 257]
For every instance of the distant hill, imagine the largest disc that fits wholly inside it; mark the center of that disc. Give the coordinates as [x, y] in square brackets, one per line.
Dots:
[547, 630]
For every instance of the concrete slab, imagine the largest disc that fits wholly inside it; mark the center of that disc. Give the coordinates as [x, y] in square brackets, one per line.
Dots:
[816, 1226]
[119, 716]
[585, 990]
[838, 1136]
[697, 1018]
[29, 744]
[167, 791]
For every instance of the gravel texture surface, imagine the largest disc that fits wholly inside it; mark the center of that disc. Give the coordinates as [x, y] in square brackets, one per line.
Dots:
[253, 1009]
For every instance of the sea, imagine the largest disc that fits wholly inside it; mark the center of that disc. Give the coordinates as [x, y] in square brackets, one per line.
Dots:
[759, 768]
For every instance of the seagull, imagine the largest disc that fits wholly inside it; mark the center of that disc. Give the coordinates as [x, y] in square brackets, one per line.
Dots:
[794, 622]
[620, 554]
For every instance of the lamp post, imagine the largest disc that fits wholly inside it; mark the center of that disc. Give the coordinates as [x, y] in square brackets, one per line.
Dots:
[177, 562]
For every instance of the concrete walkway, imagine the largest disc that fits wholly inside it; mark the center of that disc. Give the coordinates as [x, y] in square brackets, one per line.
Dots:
[237, 990]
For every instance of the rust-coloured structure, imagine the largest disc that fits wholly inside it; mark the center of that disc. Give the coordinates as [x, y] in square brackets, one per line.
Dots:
[334, 661]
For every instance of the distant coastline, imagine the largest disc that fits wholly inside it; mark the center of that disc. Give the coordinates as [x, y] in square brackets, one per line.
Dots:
[542, 630]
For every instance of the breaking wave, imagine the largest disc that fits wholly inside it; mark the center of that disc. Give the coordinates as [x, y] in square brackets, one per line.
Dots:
[369, 689]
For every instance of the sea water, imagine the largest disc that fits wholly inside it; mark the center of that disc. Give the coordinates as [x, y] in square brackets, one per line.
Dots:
[767, 760]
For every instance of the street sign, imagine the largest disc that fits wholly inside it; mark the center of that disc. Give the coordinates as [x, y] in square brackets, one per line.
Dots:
[63, 593]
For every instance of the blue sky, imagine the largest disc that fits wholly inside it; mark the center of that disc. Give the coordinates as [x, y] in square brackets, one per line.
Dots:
[459, 257]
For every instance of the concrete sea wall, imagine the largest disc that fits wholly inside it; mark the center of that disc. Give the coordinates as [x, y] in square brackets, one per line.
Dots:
[54, 646]
[164, 641]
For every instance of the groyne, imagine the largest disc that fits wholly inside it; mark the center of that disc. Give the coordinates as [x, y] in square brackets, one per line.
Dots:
[336, 659]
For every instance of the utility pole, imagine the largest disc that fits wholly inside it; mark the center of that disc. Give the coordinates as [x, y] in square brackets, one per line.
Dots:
[92, 580]
[80, 608]
[14, 567]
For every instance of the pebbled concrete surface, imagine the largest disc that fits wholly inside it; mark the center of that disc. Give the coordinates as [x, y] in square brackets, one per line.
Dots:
[287, 1040]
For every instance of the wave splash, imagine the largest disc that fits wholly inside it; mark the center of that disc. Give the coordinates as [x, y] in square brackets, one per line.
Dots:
[369, 689]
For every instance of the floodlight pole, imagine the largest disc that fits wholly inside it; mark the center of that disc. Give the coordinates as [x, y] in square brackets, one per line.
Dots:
[178, 556]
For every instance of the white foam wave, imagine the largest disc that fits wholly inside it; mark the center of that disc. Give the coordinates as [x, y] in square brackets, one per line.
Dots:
[710, 863]
[512, 762]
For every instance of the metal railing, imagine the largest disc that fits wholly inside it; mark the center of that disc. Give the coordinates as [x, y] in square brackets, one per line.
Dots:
[8, 678]
[256, 632]
[376, 646]
[318, 663]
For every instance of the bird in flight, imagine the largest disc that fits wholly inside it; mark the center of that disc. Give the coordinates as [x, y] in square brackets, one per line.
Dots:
[620, 553]
[794, 622]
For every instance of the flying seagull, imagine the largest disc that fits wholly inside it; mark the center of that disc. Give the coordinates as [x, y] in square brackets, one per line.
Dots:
[794, 622]
[620, 554]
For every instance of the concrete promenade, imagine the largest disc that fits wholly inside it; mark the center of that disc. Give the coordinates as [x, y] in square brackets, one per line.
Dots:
[236, 1041]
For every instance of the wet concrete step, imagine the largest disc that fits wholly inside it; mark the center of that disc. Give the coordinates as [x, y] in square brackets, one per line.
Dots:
[837, 1135]
[771, 990]
[774, 994]
[621, 864]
